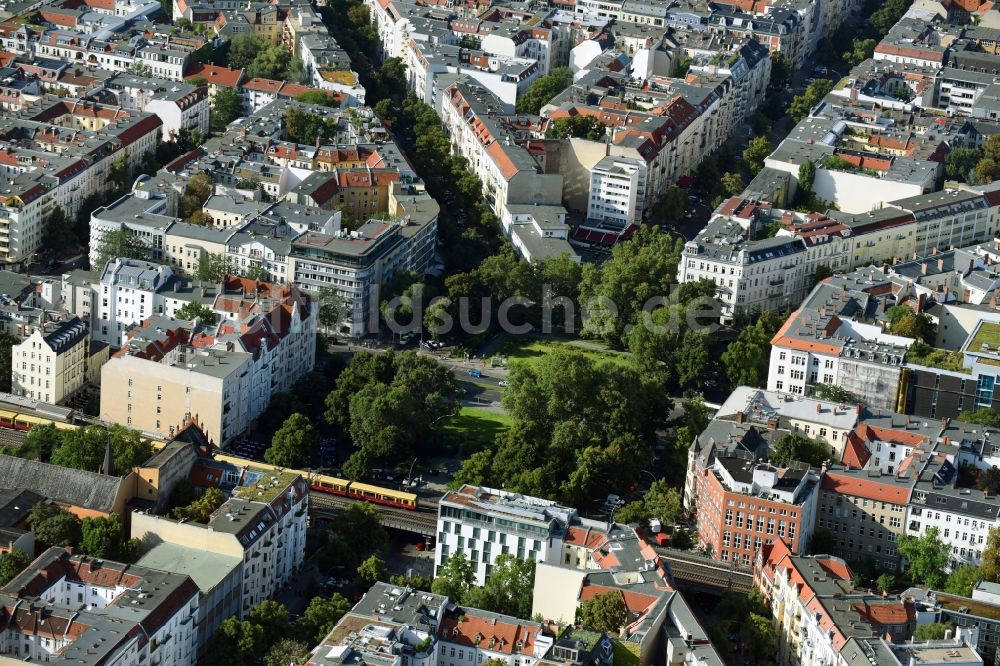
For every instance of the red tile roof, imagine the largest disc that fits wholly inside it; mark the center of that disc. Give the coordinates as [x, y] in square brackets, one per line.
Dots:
[215, 75]
[865, 487]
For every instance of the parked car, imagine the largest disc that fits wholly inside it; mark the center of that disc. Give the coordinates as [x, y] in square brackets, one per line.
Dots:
[503, 382]
[475, 373]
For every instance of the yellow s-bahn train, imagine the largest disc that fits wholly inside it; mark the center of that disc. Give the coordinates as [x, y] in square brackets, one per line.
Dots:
[25, 422]
[322, 483]
[318, 482]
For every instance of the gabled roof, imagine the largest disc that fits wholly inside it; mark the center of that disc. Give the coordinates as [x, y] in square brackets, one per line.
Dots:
[72, 487]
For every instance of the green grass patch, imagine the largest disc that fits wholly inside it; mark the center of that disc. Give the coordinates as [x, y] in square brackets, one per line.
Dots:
[625, 655]
[474, 429]
[932, 357]
[531, 350]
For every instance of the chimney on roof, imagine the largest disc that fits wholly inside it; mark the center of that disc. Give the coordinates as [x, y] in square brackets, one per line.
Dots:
[940, 264]
[859, 409]
[740, 417]
[923, 268]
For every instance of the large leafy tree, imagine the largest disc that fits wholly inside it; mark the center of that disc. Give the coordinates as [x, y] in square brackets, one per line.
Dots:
[982, 416]
[320, 616]
[54, 526]
[746, 358]
[58, 234]
[604, 612]
[196, 192]
[105, 538]
[226, 107]
[212, 268]
[194, 310]
[926, 556]
[371, 571]
[392, 407]
[962, 580]
[762, 639]
[960, 163]
[581, 127]
[813, 95]
[791, 447]
[671, 205]
[272, 617]
[580, 428]
[294, 443]
[933, 631]
[202, 508]
[84, 448]
[544, 89]
[119, 244]
[11, 564]
[614, 293]
[6, 342]
[237, 642]
[243, 50]
[454, 578]
[508, 590]
[989, 568]
[756, 152]
[358, 533]
[287, 651]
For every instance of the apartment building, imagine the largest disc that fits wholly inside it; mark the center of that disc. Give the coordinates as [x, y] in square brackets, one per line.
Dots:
[609, 558]
[962, 514]
[749, 274]
[980, 611]
[179, 106]
[50, 365]
[819, 347]
[617, 191]
[262, 526]
[472, 117]
[31, 193]
[221, 374]
[471, 636]
[410, 632]
[126, 296]
[157, 391]
[145, 213]
[865, 511]
[743, 504]
[484, 523]
[821, 618]
[73, 607]
[537, 232]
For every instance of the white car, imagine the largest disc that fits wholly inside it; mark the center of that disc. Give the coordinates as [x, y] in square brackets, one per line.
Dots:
[503, 382]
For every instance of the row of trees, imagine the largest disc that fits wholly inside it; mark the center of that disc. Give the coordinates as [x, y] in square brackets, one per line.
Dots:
[468, 230]
[269, 631]
[974, 165]
[83, 448]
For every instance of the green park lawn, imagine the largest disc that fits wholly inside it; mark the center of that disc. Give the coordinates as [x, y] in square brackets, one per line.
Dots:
[530, 350]
[474, 429]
